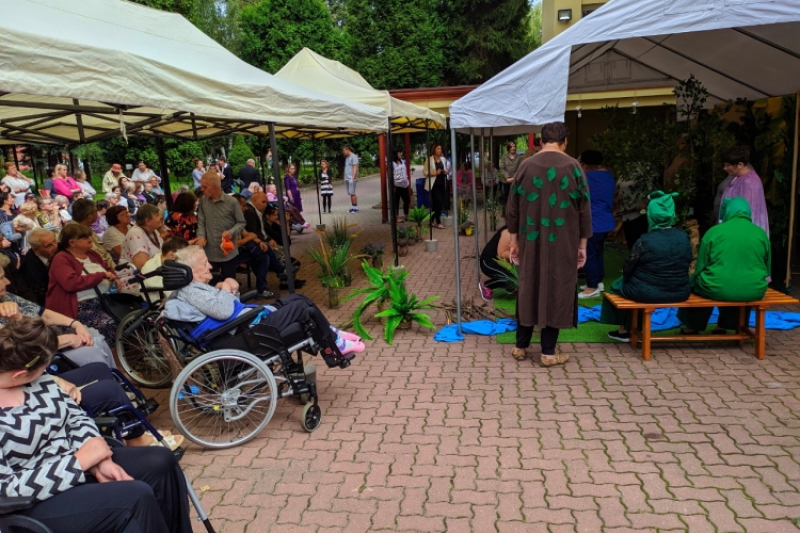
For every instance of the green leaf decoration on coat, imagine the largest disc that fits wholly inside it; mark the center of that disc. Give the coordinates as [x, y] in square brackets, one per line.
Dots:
[538, 182]
[552, 237]
[520, 190]
[530, 221]
[559, 222]
[577, 172]
[564, 183]
[546, 222]
[523, 229]
[586, 195]
[553, 200]
[532, 236]
[551, 174]
[533, 196]
[575, 195]
[564, 204]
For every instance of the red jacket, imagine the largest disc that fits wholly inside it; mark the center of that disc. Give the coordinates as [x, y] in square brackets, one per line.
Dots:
[67, 279]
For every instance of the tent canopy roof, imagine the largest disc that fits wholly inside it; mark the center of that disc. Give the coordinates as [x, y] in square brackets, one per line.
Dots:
[77, 71]
[311, 70]
[736, 48]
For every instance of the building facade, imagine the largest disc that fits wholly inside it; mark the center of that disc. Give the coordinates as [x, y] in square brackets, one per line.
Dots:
[558, 15]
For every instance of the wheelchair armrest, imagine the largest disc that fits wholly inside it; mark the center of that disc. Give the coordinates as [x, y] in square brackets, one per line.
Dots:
[106, 422]
[246, 297]
[248, 316]
[12, 504]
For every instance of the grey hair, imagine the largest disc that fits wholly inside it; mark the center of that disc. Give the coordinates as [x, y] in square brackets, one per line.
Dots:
[189, 255]
[59, 199]
[35, 237]
[24, 223]
[130, 187]
[112, 196]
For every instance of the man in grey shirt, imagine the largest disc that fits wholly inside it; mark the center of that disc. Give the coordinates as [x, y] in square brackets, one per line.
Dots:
[351, 176]
[219, 218]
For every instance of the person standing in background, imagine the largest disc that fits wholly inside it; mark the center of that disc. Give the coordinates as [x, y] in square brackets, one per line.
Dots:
[325, 186]
[351, 177]
[601, 190]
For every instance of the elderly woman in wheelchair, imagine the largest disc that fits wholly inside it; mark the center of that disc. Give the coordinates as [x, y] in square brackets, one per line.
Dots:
[52, 451]
[228, 395]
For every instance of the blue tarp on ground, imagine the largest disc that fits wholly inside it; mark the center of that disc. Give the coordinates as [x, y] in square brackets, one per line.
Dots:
[662, 319]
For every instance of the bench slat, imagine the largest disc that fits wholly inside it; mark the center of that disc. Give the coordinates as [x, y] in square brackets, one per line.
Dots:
[772, 297]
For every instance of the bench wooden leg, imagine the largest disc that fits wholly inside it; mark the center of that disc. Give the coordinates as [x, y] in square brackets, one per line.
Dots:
[761, 332]
[634, 332]
[646, 334]
[743, 324]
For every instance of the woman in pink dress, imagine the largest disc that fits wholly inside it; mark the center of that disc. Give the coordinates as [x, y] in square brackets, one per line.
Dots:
[63, 184]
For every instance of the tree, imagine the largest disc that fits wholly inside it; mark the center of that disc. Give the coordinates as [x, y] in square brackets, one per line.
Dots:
[239, 154]
[273, 31]
[395, 44]
[486, 36]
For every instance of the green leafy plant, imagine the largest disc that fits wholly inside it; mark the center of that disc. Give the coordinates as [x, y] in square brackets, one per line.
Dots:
[339, 235]
[332, 262]
[510, 277]
[377, 293]
[405, 235]
[419, 216]
[493, 203]
[404, 309]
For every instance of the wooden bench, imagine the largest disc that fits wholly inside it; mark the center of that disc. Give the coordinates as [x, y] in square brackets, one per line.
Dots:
[742, 334]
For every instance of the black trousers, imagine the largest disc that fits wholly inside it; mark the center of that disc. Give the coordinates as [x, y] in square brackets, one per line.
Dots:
[492, 269]
[298, 308]
[548, 341]
[156, 502]
[326, 201]
[438, 199]
[102, 396]
[401, 193]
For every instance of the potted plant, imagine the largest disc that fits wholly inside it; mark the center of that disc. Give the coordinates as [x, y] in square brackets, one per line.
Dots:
[377, 293]
[464, 225]
[419, 216]
[404, 309]
[493, 202]
[339, 235]
[333, 268]
[510, 277]
[374, 251]
[405, 236]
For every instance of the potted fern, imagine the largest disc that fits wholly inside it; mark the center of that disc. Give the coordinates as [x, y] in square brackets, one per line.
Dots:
[333, 268]
[405, 236]
[419, 216]
[404, 309]
[377, 294]
[374, 251]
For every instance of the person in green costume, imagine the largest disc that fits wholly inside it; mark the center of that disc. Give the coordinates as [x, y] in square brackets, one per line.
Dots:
[733, 265]
[657, 269]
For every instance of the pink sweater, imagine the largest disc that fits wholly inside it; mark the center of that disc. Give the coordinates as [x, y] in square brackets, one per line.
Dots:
[65, 186]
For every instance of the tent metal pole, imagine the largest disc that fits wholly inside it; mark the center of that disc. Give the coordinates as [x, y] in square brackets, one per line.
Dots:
[316, 177]
[793, 200]
[457, 252]
[425, 175]
[482, 161]
[475, 206]
[494, 169]
[164, 170]
[390, 184]
[276, 171]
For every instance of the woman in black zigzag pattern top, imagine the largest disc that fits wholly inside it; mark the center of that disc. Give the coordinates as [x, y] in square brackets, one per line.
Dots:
[51, 450]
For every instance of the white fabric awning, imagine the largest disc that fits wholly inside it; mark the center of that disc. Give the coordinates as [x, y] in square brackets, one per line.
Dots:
[313, 71]
[736, 48]
[76, 71]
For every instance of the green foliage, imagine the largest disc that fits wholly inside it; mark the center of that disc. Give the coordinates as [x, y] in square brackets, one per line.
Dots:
[404, 308]
[485, 37]
[332, 262]
[405, 235]
[395, 44]
[239, 154]
[377, 293]
[418, 215]
[339, 235]
[273, 31]
[510, 278]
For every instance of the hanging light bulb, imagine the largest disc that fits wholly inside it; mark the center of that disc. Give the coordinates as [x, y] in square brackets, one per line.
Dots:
[634, 107]
[579, 109]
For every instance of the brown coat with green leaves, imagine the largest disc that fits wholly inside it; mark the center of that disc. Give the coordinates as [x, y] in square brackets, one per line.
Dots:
[549, 210]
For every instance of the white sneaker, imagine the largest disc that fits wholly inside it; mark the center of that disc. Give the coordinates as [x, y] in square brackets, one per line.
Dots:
[600, 287]
[585, 296]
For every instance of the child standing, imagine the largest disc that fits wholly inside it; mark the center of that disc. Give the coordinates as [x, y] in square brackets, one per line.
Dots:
[325, 186]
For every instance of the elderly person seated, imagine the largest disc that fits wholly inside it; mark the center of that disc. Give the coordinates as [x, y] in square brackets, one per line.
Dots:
[214, 306]
[84, 212]
[119, 224]
[168, 249]
[36, 263]
[657, 270]
[733, 265]
[46, 436]
[143, 241]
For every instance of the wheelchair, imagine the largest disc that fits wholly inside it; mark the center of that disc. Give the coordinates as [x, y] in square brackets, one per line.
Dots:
[228, 394]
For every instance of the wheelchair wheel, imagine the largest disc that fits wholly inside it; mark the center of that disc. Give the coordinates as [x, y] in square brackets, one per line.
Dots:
[311, 417]
[140, 354]
[223, 399]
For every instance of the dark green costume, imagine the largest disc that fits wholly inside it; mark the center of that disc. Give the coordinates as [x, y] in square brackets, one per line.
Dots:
[657, 270]
[733, 265]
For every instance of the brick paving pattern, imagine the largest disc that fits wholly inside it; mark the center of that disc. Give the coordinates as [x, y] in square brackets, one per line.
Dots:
[423, 436]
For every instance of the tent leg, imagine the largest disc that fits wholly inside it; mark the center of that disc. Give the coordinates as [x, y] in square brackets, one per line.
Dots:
[382, 164]
[389, 162]
[164, 170]
[482, 160]
[457, 252]
[316, 178]
[475, 206]
[494, 169]
[793, 200]
[276, 171]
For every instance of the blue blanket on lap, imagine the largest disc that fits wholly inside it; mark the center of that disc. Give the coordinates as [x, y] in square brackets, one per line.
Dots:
[662, 319]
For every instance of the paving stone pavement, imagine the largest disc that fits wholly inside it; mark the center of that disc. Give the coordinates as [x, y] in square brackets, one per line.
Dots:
[422, 436]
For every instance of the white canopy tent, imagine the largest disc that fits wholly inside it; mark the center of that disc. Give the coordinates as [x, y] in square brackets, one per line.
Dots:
[83, 71]
[736, 48]
[313, 71]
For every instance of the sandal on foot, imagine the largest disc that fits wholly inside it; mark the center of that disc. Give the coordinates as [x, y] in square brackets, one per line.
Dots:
[519, 354]
[173, 442]
[439, 226]
[552, 360]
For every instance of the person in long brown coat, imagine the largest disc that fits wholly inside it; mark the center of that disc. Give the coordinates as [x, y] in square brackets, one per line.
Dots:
[549, 219]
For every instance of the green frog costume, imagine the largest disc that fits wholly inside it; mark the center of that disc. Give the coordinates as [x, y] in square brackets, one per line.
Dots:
[733, 265]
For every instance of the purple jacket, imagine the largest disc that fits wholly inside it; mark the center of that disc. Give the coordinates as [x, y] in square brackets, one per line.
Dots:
[749, 187]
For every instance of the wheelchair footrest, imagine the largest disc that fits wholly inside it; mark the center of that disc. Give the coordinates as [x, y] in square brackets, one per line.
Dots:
[149, 407]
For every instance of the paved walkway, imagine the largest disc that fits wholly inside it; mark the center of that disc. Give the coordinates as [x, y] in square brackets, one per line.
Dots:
[422, 436]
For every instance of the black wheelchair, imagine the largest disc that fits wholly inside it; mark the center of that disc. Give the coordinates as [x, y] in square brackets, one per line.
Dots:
[227, 395]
